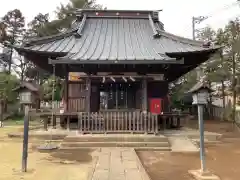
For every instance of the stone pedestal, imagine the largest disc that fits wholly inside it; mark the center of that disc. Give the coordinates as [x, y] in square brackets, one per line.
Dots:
[199, 175]
[47, 147]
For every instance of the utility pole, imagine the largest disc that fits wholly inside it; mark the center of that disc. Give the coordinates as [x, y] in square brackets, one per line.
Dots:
[197, 20]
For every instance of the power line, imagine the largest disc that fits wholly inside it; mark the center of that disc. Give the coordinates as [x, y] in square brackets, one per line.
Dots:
[199, 19]
[226, 7]
[228, 19]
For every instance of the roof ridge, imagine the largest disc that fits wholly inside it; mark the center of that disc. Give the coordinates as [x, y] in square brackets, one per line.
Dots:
[179, 38]
[155, 32]
[113, 10]
[81, 25]
[44, 39]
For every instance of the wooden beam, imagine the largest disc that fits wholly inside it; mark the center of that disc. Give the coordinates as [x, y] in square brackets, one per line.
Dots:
[167, 60]
[124, 76]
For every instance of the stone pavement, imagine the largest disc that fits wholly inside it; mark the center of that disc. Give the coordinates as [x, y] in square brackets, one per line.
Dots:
[117, 164]
[182, 144]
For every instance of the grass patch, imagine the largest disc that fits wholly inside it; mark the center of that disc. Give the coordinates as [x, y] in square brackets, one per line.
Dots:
[14, 121]
[19, 121]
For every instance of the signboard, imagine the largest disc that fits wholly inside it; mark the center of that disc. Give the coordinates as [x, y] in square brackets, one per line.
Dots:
[157, 77]
[75, 76]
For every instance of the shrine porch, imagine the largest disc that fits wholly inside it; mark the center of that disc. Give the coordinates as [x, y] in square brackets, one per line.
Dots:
[103, 122]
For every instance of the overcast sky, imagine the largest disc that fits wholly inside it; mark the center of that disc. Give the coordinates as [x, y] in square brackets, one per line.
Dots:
[176, 14]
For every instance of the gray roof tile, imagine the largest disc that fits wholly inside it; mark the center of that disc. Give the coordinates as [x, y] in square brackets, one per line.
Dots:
[29, 85]
[116, 39]
[200, 85]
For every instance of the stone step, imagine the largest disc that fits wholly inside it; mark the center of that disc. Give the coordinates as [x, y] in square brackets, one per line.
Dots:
[77, 148]
[206, 141]
[112, 138]
[153, 148]
[114, 144]
[209, 136]
[136, 148]
[19, 135]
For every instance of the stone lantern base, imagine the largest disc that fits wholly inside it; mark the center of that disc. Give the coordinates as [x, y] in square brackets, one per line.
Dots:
[199, 175]
[47, 147]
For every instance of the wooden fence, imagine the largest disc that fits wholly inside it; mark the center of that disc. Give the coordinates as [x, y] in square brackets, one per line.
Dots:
[120, 122]
[218, 113]
[111, 121]
[48, 105]
[102, 122]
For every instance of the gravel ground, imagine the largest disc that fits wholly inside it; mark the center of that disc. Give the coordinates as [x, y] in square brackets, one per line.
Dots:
[58, 165]
[222, 159]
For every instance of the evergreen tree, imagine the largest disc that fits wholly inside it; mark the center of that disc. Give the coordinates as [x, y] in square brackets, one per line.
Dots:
[14, 26]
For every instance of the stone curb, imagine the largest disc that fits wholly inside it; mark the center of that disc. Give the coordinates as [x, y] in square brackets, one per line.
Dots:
[141, 167]
[37, 136]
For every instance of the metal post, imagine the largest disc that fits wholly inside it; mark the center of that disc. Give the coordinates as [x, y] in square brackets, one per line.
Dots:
[25, 140]
[201, 129]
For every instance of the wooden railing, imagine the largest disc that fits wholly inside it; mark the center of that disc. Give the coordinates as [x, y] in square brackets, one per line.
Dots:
[103, 122]
[48, 105]
[113, 122]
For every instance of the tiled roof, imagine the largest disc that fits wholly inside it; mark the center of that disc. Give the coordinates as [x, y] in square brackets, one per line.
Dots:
[32, 87]
[108, 37]
[199, 85]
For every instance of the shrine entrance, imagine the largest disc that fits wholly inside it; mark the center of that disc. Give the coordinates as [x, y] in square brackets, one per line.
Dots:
[120, 95]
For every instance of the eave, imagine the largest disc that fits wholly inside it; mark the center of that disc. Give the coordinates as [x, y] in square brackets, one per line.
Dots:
[119, 61]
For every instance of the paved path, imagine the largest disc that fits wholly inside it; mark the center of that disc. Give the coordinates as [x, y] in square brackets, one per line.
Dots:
[117, 164]
[182, 144]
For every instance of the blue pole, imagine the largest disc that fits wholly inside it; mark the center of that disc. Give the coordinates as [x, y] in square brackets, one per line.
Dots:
[201, 129]
[25, 142]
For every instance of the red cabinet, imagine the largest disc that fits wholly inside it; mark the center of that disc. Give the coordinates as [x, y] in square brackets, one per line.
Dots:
[156, 105]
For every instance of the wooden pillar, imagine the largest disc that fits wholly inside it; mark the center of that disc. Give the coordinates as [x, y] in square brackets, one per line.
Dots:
[178, 122]
[68, 122]
[88, 100]
[144, 95]
[66, 95]
[1, 113]
[54, 122]
[144, 103]
[88, 96]
[164, 122]
[45, 125]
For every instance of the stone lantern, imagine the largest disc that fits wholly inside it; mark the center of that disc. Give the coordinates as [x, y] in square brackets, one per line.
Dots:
[28, 95]
[200, 95]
